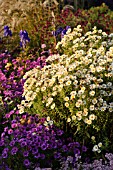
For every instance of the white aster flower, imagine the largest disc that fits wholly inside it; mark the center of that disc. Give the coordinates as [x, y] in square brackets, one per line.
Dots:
[92, 93]
[91, 117]
[77, 104]
[43, 89]
[94, 101]
[48, 118]
[53, 106]
[89, 122]
[95, 148]
[93, 137]
[91, 107]
[66, 99]
[73, 117]
[72, 97]
[68, 83]
[79, 117]
[69, 119]
[100, 144]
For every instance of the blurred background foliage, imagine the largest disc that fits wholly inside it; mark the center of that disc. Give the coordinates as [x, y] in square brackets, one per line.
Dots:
[41, 18]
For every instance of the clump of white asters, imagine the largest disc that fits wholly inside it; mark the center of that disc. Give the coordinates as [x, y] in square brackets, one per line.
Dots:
[76, 85]
[97, 148]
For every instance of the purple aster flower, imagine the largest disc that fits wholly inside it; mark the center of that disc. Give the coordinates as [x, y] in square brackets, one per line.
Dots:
[7, 168]
[44, 146]
[23, 144]
[2, 143]
[12, 143]
[7, 115]
[84, 148]
[3, 134]
[25, 153]
[46, 138]
[64, 147]
[77, 144]
[7, 92]
[54, 145]
[59, 143]
[26, 162]
[57, 155]
[14, 125]
[77, 151]
[42, 120]
[34, 150]
[12, 112]
[10, 131]
[60, 132]
[4, 155]
[28, 135]
[14, 150]
[2, 76]
[37, 156]
[6, 149]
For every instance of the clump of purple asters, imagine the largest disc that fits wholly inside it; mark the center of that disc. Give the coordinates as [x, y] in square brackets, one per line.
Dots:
[106, 164]
[29, 141]
[7, 31]
[11, 74]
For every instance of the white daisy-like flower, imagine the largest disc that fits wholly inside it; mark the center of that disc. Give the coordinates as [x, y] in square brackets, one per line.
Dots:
[91, 107]
[73, 117]
[93, 137]
[94, 101]
[92, 93]
[72, 97]
[77, 104]
[69, 120]
[53, 106]
[100, 144]
[68, 83]
[91, 117]
[89, 122]
[95, 148]
[66, 99]
[48, 118]
[67, 104]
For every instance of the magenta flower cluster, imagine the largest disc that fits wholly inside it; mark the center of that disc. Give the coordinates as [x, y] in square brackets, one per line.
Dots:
[11, 76]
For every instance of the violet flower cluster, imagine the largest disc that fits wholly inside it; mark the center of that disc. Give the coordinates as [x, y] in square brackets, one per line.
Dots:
[7, 31]
[24, 38]
[12, 71]
[106, 164]
[61, 31]
[102, 164]
[32, 144]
